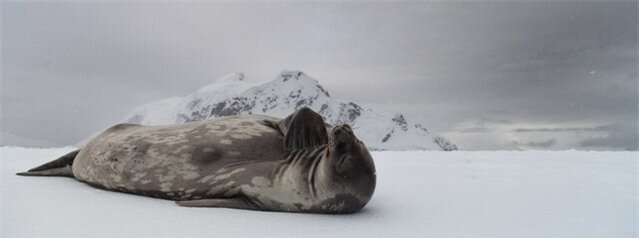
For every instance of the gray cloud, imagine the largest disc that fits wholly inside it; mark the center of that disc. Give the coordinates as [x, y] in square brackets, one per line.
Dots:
[540, 144]
[614, 140]
[576, 129]
[474, 130]
[617, 136]
[70, 69]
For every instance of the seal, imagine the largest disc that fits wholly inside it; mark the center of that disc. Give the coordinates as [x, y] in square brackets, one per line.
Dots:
[246, 162]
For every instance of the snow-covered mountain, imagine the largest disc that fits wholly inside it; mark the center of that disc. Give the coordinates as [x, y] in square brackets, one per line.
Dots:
[289, 91]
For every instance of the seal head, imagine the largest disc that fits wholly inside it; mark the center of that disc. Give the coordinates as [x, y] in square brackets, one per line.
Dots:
[350, 169]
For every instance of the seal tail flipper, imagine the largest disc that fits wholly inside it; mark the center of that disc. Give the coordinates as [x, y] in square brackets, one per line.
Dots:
[59, 167]
[237, 203]
[303, 129]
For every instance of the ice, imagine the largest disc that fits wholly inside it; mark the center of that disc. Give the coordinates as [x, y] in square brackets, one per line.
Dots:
[419, 194]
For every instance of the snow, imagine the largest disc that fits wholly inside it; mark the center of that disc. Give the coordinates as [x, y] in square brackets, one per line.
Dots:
[162, 110]
[419, 194]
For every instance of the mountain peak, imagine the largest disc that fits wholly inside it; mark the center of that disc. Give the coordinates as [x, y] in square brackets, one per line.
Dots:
[296, 82]
[290, 90]
[286, 75]
[295, 77]
[230, 80]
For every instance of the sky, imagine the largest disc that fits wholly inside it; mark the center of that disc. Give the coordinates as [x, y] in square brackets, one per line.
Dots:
[486, 75]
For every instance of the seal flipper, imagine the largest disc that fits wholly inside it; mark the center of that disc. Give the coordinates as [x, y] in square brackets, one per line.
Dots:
[238, 203]
[59, 167]
[303, 129]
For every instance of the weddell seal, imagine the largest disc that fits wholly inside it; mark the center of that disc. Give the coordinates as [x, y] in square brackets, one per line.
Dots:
[246, 162]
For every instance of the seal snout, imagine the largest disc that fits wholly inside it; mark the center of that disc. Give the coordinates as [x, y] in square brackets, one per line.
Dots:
[341, 133]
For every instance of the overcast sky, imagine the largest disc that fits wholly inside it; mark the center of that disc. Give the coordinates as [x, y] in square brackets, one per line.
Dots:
[487, 75]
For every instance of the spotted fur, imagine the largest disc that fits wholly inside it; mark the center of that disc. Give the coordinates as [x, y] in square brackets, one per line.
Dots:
[236, 162]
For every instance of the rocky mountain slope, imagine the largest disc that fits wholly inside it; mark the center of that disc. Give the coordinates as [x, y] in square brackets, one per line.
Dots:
[289, 91]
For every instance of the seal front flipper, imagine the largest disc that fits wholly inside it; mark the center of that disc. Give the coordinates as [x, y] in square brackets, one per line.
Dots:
[303, 129]
[59, 167]
[238, 203]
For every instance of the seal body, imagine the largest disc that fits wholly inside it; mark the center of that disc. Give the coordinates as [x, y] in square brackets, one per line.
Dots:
[247, 161]
[188, 161]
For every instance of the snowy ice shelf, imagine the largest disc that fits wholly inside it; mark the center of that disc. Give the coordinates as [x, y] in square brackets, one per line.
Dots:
[523, 194]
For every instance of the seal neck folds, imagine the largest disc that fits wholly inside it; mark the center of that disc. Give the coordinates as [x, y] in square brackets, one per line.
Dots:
[303, 163]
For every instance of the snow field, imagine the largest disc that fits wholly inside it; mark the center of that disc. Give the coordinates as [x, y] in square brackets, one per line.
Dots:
[419, 194]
